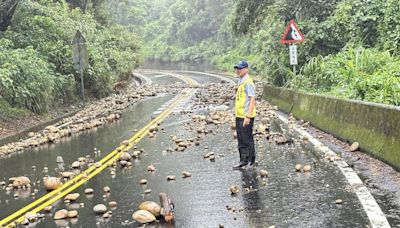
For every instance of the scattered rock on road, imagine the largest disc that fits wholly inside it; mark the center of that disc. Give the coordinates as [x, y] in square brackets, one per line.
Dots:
[354, 147]
[307, 168]
[125, 156]
[47, 209]
[298, 167]
[171, 178]
[89, 191]
[52, 183]
[21, 181]
[151, 207]
[100, 209]
[107, 189]
[72, 214]
[61, 214]
[263, 173]
[112, 204]
[76, 165]
[234, 189]
[186, 174]
[59, 159]
[143, 216]
[208, 155]
[72, 197]
[125, 143]
[151, 168]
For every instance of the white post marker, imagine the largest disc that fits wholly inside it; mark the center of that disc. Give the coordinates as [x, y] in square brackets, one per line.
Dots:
[293, 54]
[293, 57]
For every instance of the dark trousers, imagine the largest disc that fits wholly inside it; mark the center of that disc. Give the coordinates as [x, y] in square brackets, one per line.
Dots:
[245, 138]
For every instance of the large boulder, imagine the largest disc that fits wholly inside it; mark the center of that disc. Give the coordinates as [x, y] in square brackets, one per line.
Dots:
[151, 207]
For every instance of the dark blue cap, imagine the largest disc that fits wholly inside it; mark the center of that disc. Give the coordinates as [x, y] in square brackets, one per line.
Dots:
[242, 64]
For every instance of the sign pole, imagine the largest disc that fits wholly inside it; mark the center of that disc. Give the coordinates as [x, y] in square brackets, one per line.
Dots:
[294, 70]
[293, 56]
[292, 35]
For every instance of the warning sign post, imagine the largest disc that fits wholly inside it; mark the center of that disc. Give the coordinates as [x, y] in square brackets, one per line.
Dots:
[291, 35]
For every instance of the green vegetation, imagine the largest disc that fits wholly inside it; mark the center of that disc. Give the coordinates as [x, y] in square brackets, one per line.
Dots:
[36, 70]
[8, 112]
[351, 48]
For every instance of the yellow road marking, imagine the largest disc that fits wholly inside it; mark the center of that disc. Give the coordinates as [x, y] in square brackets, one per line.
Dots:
[19, 216]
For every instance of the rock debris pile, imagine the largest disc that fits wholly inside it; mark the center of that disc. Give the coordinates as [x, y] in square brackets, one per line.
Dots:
[96, 114]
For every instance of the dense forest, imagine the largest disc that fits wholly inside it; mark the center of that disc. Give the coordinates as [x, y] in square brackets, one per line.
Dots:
[351, 48]
[36, 68]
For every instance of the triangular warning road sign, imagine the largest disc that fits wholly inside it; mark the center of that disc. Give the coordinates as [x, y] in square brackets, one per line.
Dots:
[292, 34]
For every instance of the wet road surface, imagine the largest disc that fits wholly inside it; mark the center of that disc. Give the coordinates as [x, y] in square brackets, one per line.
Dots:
[285, 199]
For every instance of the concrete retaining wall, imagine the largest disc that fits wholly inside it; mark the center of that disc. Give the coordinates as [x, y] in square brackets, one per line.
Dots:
[376, 127]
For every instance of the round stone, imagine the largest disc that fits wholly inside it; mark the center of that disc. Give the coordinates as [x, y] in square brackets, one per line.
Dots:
[61, 214]
[307, 168]
[112, 204]
[354, 147]
[72, 214]
[151, 207]
[100, 208]
[52, 183]
[263, 173]
[76, 165]
[143, 216]
[234, 189]
[107, 189]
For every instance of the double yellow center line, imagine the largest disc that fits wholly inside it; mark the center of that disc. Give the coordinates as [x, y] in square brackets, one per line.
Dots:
[51, 197]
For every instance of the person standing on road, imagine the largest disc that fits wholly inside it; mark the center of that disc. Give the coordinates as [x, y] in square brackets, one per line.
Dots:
[245, 112]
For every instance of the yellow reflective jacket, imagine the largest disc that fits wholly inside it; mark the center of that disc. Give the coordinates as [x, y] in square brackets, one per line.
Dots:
[240, 101]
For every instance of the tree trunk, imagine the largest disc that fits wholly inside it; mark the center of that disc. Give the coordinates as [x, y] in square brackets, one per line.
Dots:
[167, 207]
[7, 9]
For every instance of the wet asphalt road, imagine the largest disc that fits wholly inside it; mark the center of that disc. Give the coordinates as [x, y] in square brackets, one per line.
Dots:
[284, 199]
